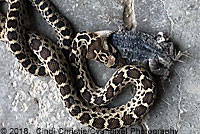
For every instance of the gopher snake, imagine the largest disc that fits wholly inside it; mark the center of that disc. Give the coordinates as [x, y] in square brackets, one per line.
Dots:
[67, 66]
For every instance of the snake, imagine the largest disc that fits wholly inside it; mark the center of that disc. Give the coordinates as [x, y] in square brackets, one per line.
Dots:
[65, 63]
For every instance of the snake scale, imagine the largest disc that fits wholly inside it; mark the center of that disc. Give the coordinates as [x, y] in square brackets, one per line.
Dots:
[65, 62]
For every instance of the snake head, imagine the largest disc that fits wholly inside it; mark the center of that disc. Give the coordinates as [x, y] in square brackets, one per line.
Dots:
[102, 51]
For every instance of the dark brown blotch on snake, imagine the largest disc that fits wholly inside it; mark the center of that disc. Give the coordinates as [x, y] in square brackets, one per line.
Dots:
[98, 123]
[113, 123]
[85, 118]
[140, 110]
[147, 83]
[35, 44]
[128, 119]
[12, 23]
[15, 5]
[65, 90]
[86, 95]
[12, 35]
[134, 73]
[32, 69]
[109, 92]
[117, 80]
[45, 53]
[148, 98]
[15, 47]
[53, 65]
[75, 111]
[13, 14]
[98, 100]
[60, 78]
